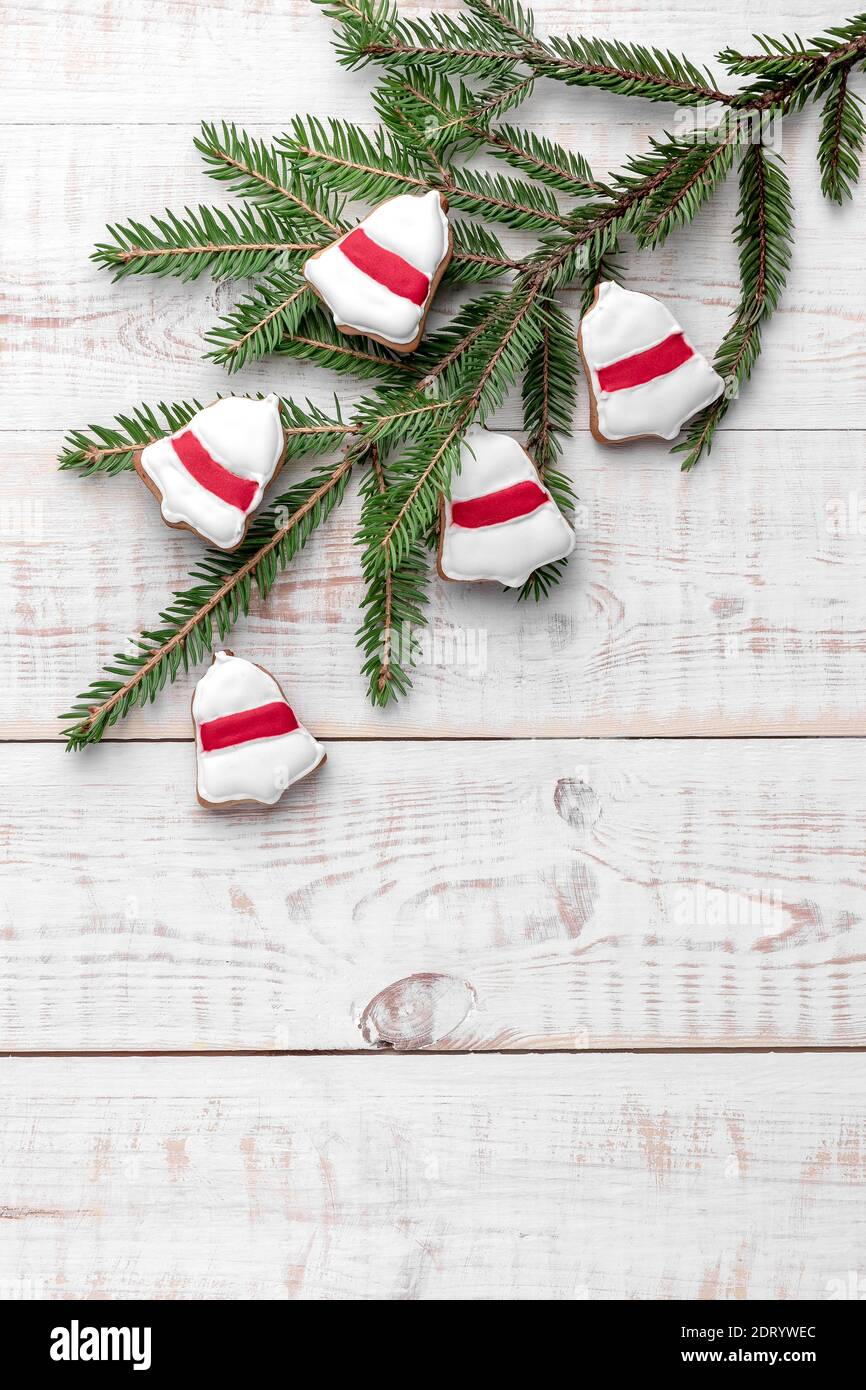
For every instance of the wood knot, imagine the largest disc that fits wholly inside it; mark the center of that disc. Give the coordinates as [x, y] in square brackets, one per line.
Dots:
[417, 1011]
[577, 803]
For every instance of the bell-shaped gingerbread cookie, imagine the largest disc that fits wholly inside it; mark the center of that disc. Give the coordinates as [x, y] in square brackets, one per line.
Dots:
[500, 522]
[645, 377]
[249, 745]
[210, 476]
[379, 278]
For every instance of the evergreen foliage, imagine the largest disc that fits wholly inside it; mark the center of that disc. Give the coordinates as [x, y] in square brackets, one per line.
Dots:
[447, 90]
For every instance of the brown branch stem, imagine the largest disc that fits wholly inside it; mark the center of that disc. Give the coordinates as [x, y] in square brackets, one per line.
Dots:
[135, 252]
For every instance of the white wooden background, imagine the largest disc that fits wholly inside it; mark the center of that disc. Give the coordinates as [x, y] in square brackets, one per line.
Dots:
[631, 839]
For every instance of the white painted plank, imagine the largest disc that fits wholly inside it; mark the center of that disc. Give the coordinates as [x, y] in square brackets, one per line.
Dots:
[724, 602]
[81, 347]
[590, 894]
[476, 1178]
[204, 57]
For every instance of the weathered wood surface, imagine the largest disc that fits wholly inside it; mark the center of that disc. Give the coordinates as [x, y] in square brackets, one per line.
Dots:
[590, 895]
[446, 896]
[420, 1178]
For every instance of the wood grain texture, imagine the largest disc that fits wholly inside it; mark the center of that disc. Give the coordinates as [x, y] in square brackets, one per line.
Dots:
[581, 894]
[726, 602]
[474, 1178]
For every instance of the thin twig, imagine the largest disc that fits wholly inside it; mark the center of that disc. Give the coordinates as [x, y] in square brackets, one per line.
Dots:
[540, 441]
[135, 252]
[357, 353]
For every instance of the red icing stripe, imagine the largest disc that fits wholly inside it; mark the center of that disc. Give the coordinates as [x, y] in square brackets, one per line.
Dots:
[645, 366]
[385, 267]
[505, 505]
[238, 492]
[265, 722]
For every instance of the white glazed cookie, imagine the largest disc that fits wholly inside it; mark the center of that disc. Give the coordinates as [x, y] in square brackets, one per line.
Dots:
[210, 476]
[645, 376]
[500, 522]
[249, 745]
[379, 278]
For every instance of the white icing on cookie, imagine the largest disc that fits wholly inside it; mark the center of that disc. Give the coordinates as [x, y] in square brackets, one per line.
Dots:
[506, 552]
[620, 325]
[243, 436]
[413, 228]
[258, 769]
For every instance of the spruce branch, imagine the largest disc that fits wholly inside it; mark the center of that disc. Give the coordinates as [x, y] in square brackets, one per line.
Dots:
[438, 356]
[341, 156]
[545, 160]
[493, 44]
[234, 242]
[764, 237]
[452, 117]
[379, 166]
[477, 256]
[372, 30]
[784, 57]
[393, 604]
[700, 168]
[494, 39]
[317, 340]
[209, 609]
[550, 388]
[788, 71]
[462, 120]
[387, 418]
[841, 139]
[508, 17]
[263, 175]
[514, 202]
[110, 449]
[549, 398]
[598, 226]
[629, 69]
[383, 675]
[260, 320]
[474, 113]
